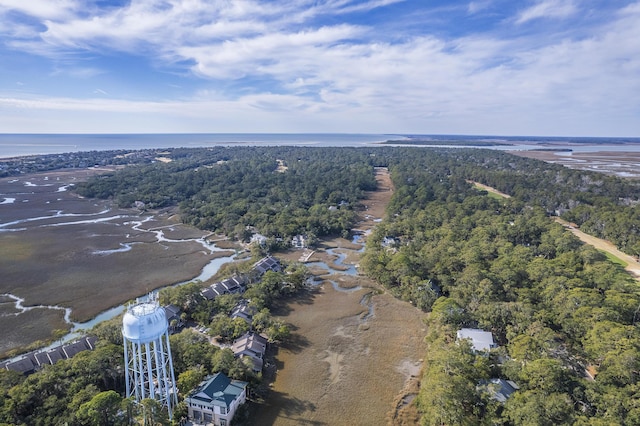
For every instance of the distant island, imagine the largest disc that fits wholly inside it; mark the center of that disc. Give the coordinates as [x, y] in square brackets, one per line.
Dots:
[495, 140]
[554, 149]
[441, 142]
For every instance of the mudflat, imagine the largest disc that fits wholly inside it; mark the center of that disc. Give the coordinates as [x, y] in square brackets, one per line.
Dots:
[58, 250]
[622, 164]
[353, 358]
[355, 354]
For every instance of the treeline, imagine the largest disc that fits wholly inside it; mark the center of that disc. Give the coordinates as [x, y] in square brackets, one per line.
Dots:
[604, 206]
[278, 191]
[283, 191]
[228, 188]
[555, 306]
[74, 160]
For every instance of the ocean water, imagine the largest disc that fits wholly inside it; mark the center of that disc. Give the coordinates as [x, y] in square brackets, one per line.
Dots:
[15, 145]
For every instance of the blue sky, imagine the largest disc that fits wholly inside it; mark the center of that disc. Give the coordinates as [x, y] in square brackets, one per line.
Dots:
[499, 67]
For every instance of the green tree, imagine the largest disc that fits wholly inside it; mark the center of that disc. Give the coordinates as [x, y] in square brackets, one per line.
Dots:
[261, 320]
[278, 331]
[536, 408]
[188, 380]
[102, 409]
[152, 413]
[223, 360]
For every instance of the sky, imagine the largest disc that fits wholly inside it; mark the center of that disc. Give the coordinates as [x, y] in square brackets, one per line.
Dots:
[481, 67]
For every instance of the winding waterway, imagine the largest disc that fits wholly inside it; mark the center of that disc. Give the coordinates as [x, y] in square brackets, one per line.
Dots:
[47, 216]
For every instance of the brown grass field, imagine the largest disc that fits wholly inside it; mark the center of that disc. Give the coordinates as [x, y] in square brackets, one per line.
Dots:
[50, 259]
[354, 357]
[344, 367]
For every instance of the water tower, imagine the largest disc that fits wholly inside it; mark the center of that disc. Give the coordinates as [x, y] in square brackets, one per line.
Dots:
[147, 355]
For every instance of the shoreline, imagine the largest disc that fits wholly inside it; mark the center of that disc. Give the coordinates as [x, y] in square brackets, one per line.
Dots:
[617, 163]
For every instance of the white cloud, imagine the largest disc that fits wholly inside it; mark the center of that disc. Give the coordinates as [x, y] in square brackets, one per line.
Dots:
[478, 6]
[77, 72]
[263, 53]
[547, 9]
[42, 9]
[367, 5]
[340, 77]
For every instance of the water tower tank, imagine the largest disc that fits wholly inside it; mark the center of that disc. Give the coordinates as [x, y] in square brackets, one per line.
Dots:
[147, 355]
[144, 322]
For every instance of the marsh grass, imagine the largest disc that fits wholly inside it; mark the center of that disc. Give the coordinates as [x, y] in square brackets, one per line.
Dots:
[53, 262]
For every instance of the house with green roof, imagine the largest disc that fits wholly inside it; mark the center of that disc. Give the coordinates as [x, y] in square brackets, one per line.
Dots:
[216, 400]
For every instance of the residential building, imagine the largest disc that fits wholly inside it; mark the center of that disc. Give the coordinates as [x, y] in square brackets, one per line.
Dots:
[33, 361]
[481, 341]
[299, 241]
[259, 238]
[174, 317]
[216, 400]
[235, 284]
[251, 345]
[25, 365]
[265, 264]
[499, 389]
[244, 310]
[388, 242]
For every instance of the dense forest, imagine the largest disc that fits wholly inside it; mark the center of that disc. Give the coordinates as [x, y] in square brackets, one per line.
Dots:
[556, 308]
[283, 191]
[280, 192]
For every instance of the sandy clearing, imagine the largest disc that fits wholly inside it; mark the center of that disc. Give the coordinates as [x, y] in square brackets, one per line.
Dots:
[489, 189]
[633, 266]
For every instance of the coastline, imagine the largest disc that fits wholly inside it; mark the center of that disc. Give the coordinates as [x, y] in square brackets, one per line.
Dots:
[617, 163]
[24, 145]
[14, 146]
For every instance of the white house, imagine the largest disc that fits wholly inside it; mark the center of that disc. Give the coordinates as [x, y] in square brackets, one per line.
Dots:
[299, 241]
[388, 242]
[258, 238]
[216, 400]
[480, 340]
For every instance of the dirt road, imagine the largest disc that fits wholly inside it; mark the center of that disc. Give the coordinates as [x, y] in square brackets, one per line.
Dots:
[633, 267]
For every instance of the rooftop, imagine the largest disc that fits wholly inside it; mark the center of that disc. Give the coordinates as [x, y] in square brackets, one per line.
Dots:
[499, 389]
[480, 340]
[218, 390]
